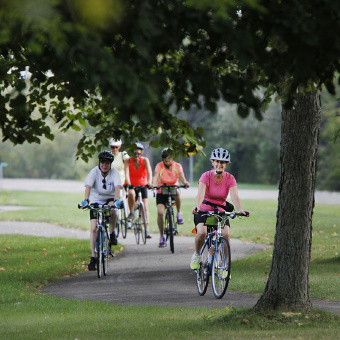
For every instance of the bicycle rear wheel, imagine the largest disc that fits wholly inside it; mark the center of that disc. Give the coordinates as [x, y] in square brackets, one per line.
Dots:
[100, 253]
[118, 224]
[142, 222]
[202, 273]
[105, 251]
[221, 268]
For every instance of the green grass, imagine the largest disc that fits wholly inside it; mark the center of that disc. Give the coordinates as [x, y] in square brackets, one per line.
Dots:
[27, 263]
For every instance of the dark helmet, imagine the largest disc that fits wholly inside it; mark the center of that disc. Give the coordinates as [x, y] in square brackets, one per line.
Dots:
[164, 153]
[106, 155]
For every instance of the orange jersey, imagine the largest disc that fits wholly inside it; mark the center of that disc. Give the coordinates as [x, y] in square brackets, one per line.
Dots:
[138, 176]
[166, 176]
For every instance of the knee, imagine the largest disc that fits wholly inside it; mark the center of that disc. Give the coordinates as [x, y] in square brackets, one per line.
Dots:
[201, 235]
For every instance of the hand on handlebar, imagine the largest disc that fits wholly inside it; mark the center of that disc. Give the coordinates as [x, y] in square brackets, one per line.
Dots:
[84, 204]
[195, 210]
[246, 213]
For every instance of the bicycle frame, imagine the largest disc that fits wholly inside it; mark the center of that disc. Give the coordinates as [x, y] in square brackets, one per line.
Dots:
[103, 250]
[170, 225]
[215, 257]
[122, 215]
[139, 223]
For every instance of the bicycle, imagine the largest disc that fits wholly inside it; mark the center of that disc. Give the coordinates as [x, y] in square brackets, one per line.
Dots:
[103, 248]
[170, 222]
[122, 214]
[139, 223]
[215, 256]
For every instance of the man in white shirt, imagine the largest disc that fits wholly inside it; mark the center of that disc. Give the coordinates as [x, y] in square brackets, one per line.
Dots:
[102, 185]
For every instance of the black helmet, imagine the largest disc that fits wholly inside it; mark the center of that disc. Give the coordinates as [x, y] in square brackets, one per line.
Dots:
[106, 155]
[164, 153]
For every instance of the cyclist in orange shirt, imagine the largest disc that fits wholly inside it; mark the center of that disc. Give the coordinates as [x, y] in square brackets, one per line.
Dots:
[138, 172]
[167, 172]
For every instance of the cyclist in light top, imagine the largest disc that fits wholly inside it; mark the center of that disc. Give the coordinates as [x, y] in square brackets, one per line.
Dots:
[214, 186]
[138, 172]
[102, 185]
[167, 172]
[118, 162]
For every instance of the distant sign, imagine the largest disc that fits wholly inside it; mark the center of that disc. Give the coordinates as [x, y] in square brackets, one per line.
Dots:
[3, 164]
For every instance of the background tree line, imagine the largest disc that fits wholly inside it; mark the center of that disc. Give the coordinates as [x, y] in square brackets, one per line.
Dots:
[254, 146]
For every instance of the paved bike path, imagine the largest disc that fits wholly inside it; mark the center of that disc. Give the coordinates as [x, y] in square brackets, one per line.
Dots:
[145, 274]
[148, 275]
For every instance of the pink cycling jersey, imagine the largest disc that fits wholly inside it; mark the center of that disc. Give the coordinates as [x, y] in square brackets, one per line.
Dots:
[216, 192]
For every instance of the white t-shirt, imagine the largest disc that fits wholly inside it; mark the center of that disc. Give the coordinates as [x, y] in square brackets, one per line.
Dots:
[95, 180]
[118, 163]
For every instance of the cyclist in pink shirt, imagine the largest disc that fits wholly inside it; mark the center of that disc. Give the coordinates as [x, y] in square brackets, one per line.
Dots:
[167, 172]
[214, 186]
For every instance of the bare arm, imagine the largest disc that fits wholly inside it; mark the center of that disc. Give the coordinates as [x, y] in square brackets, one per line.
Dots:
[148, 169]
[183, 179]
[87, 192]
[236, 200]
[155, 178]
[127, 172]
[117, 191]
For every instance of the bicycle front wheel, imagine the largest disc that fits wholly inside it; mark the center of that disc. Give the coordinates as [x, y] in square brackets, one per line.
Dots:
[168, 229]
[202, 273]
[118, 224]
[171, 229]
[142, 222]
[136, 228]
[124, 215]
[99, 253]
[105, 251]
[221, 268]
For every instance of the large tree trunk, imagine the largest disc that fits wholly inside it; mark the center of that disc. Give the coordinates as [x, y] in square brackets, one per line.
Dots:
[288, 284]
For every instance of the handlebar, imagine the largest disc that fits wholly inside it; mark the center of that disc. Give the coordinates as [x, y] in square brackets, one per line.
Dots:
[97, 206]
[138, 186]
[231, 215]
[171, 186]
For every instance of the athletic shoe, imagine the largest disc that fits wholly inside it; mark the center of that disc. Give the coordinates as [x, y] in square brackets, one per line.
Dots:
[223, 273]
[195, 261]
[148, 236]
[131, 216]
[113, 239]
[92, 265]
[162, 242]
[180, 218]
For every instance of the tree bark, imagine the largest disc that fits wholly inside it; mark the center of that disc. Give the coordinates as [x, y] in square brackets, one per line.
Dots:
[288, 283]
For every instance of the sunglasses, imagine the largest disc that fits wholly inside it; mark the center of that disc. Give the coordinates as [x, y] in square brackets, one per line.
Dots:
[104, 162]
[138, 153]
[221, 162]
[114, 147]
[104, 183]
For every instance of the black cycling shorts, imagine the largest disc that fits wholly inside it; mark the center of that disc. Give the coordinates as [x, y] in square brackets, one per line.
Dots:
[93, 213]
[161, 199]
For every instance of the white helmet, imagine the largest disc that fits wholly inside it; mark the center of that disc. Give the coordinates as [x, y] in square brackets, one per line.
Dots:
[115, 142]
[220, 154]
[139, 146]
